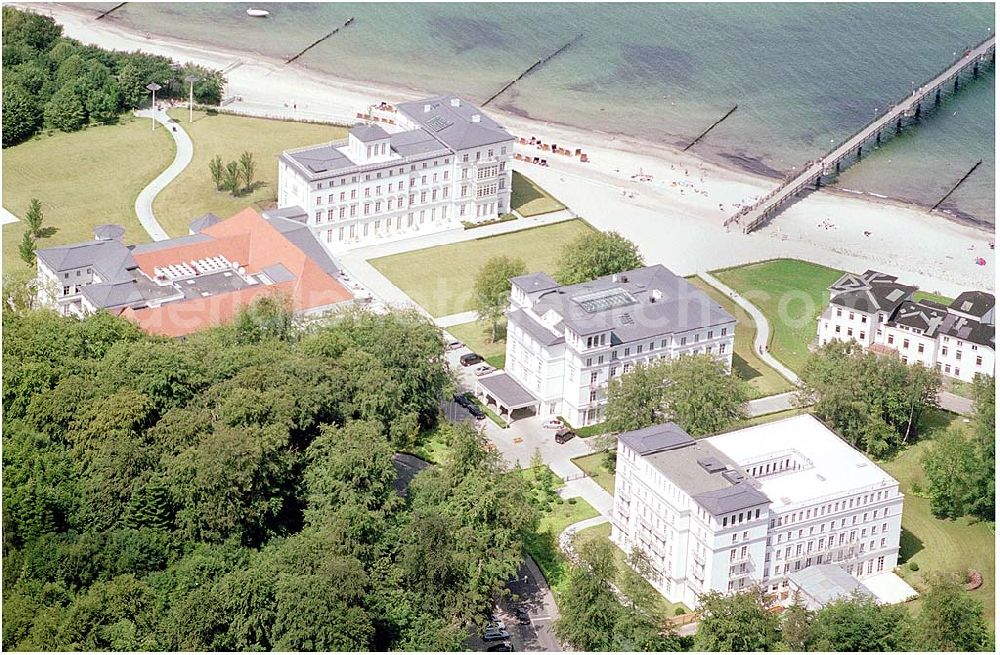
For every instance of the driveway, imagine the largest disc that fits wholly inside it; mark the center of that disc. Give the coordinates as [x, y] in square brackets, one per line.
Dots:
[185, 151]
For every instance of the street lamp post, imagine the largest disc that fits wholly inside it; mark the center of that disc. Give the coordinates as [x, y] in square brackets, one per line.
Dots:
[191, 79]
[154, 87]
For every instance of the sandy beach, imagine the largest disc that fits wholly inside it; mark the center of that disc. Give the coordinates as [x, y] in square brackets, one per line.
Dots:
[677, 216]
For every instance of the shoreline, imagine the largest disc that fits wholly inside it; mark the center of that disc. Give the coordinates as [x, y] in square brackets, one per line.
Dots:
[696, 192]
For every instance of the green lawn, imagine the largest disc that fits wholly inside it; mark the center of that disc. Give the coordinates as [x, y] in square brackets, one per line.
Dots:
[433, 445]
[83, 179]
[747, 365]
[476, 336]
[791, 293]
[529, 199]
[593, 466]
[940, 544]
[441, 279]
[543, 546]
[603, 531]
[924, 295]
[193, 194]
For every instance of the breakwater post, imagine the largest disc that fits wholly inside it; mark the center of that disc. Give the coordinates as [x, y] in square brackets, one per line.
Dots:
[710, 128]
[957, 184]
[318, 41]
[115, 8]
[532, 68]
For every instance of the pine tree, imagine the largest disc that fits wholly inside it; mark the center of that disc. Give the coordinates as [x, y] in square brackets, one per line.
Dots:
[27, 249]
[33, 218]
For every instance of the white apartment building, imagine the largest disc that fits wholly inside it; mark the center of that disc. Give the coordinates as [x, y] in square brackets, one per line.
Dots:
[875, 311]
[442, 162]
[565, 343]
[754, 507]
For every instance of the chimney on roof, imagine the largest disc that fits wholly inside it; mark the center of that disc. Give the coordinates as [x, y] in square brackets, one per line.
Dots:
[624, 278]
[614, 277]
[455, 102]
[475, 118]
[427, 108]
[655, 295]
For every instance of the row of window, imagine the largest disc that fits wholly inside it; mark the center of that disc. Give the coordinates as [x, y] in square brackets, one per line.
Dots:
[376, 227]
[597, 341]
[864, 318]
[391, 204]
[378, 174]
[831, 508]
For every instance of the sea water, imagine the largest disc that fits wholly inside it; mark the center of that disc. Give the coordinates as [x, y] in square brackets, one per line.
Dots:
[803, 75]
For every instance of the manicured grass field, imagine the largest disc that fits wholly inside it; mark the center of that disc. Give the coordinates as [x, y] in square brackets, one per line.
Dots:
[543, 546]
[193, 193]
[529, 199]
[441, 279]
[603, 531]
[476, 336]
[747, 365]
[593, 466]
[83, 179]
[940, 544]
[791, 293]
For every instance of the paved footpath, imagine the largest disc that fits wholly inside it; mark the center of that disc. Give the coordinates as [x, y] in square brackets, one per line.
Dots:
[185, 151]
[770, 404]
[763, 329]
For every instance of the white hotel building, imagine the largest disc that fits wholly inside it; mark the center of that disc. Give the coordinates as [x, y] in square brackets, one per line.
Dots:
[441, 163]
[756, 506]
[874, 310]
[565, 343]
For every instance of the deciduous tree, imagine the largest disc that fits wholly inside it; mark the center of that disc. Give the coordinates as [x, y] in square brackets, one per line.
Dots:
[33, 218]
[21, 114]
[950, 619]
[65, 111]
[492, 289]
[597, 254]
[737, 622]
[860, 624]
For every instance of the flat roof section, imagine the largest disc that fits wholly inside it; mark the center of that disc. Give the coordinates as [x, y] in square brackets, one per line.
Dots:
[507, 390]
[833, 466]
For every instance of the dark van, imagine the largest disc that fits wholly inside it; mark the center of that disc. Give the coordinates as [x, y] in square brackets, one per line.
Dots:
[564, 434]
[468, 359]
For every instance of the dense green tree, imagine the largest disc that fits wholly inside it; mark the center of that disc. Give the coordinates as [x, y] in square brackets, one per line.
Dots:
[859, 624]
[217, 169]
[26, 249]
[950, 619]
[492, 289]
[697, 392]
[737, 622]
[21, 114]
[231, 178]
[874, 402]
[132, 85]
[248, 169]
[590, 611]
[595, 255]
[956, 474]
[36, 31]
[796, 627]
[33, 217]
[65, 111]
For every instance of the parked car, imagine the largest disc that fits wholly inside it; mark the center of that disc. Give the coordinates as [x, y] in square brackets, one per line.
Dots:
[523, 617]
[504, 647]
[495, 623]
[483, 370]
[495, 634]
[468, 359]
[564, 434]
[552, 424]
[462, 399]
[475, 411]
[454, 345]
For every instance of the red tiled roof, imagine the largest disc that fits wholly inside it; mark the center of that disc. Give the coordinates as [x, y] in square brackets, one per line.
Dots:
[248, 239]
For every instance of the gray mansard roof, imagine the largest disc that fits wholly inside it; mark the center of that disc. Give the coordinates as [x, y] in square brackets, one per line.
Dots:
[454, 126]
[110, 259]
[634, 305]
[200, 223]
[365, 133]
[713, 479]
[973, 303]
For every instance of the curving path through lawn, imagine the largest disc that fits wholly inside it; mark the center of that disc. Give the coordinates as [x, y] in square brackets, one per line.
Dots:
[185, 151]
[763, 329]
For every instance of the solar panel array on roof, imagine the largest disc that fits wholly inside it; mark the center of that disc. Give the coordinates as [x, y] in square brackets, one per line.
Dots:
[604, 300]
[438, 123]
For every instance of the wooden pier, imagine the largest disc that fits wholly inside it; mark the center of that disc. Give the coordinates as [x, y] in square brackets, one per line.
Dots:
[882, 127]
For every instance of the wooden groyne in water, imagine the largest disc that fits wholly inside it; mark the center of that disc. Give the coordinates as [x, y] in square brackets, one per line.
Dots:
[957, 184]
[319, 40]
[531, 68]
[115, 8]
[711, 127]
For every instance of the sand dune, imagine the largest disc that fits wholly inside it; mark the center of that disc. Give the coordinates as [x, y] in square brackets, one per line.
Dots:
[676, 217]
